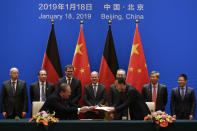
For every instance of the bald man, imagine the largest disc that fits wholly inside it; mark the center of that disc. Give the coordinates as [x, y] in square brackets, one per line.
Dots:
[94, 94]
[14, 100]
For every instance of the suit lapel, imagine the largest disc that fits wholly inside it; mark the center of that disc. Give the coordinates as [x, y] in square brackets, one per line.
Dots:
[10, 87]
[38, 89]
[158, 91]
[178, 92]
[186, 92]
[46, 89]
[150, 92]
[92, 90]
[18, 85]
[98, 90]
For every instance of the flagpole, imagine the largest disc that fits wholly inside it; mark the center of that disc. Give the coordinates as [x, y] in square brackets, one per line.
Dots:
[137, 21]
[81, 23]
[52, 22]
[109, 22]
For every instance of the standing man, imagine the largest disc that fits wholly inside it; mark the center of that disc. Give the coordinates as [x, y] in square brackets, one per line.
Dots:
[41, 90]
[94, 94]
[14, 101]
[155, 92]
[75, 85]
[117, 98]
[183, 100]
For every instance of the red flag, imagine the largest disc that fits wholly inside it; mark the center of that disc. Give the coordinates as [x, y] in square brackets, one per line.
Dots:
[81, 62]
[137, 74]
[109, 63]
[51, 61]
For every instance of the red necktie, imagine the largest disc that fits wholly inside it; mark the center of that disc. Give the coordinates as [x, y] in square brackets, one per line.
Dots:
[154, 95]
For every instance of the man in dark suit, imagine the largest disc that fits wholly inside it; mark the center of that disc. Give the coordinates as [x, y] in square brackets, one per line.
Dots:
[117, 98]
[94, 94]
[137, 107]
[183, 100]
[56, 103]
[14, 99]
[75, 85]
[41, 90]
[155, 92]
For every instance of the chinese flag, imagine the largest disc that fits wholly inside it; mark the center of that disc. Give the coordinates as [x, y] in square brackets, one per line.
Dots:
[109, 63]
[137, 74]
[81, 62]
[51, 61]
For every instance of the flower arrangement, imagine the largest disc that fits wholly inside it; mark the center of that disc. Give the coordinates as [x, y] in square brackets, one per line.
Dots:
[160, 118]
[44, 118]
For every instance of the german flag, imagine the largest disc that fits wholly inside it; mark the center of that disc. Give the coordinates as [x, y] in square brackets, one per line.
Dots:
[51, 61]
[109, 63]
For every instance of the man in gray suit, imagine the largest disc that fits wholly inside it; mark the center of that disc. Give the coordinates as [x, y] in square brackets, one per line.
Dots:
[41, 90]
[14, 100]
[94, 95]
[155, 92]
[183, 100]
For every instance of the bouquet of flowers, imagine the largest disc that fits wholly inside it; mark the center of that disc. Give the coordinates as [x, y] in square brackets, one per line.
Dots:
[160, 118]
[44, 118]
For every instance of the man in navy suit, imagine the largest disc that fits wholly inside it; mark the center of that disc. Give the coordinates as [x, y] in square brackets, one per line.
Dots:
[94, 95]
[183, 100]
[41, 90]
[14, 99]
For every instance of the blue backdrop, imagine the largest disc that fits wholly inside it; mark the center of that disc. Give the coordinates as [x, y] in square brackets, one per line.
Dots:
[167, 29]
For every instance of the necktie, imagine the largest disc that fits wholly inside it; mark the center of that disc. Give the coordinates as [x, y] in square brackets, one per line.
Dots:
[42, 92]
[13, 88]
[154, 95]
[69, 81]
[182, 93]
[94, 88]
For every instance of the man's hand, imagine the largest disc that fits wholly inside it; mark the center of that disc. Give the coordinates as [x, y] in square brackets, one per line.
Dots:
[111, 115]
[85, 109]
[111, 110]
[24, 114]
[4, 115]
[191, 117]
[174, 116]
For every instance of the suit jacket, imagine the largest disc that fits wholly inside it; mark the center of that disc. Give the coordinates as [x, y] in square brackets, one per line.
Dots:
[162, 95]
[75, 89]
[35, 91]
[137, 107]
[186, 106]
[14, 103]
[90, 99]
[56, 104]
[117, 98]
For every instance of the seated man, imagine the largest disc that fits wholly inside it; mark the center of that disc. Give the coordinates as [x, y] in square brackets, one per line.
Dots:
[56, 103]
[137, 107]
